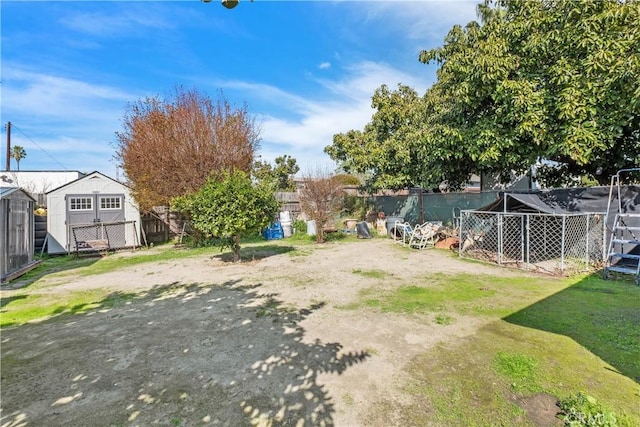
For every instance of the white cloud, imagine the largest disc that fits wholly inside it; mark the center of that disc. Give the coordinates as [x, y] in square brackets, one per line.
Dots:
[79, 117]
[123, 21]
[364, 78]
[310, 124]
[263, 91]
[416, 25]
[43, 95]
[422, 20]
[62, 122]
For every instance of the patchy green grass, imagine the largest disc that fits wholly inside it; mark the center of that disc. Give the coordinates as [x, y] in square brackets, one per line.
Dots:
[38, 306]
[484, 377]
[300, 280]
[467, 294]
[431, 293]
[42, 305]
[33, 302]
[371, 351]
[55, 264]
[542, 336]
[520, 370]
[90, 266]
[373, 274]
[444, 319]
[434, 293]
[115, 262]
[347, 398]
[301, 252]
[603, 316]
[93, 265]
[580, 409]
[302, 238]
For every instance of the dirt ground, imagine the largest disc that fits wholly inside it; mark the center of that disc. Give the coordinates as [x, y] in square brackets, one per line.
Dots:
[208, 342]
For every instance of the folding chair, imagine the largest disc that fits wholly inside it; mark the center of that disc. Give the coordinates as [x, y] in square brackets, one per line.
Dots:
[424, 235]
[401, 232]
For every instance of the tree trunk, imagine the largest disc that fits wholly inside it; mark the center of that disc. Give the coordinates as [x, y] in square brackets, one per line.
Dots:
[236, 248]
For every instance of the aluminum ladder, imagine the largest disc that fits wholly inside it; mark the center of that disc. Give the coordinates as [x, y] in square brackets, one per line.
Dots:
[623, 255]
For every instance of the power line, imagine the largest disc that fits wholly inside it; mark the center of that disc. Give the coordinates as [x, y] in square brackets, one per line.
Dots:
[40, 148]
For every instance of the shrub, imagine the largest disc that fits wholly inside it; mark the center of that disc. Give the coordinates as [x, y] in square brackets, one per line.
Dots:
[580, 410]
[300, 226]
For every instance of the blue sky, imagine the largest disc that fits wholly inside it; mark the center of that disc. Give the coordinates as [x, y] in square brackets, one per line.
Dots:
[306, 69]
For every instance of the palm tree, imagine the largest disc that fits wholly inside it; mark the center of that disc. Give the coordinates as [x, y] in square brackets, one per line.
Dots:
[18, 154]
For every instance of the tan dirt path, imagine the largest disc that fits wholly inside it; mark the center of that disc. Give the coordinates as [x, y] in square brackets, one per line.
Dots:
[213, 343]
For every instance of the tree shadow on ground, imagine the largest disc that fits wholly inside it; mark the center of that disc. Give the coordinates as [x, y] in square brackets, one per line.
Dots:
[254, 253]
[6, 300]
[176, 355]
[63, 309]
[602, 316]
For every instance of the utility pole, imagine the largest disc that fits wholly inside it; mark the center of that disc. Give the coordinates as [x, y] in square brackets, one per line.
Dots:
[8, 146]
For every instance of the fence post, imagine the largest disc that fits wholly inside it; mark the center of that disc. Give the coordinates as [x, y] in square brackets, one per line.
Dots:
[522, 238]
[500, 237]
[544, 232]
[587, 242]
[605, 244]
[460, 240]
[136, 236]
[527, 239]
[564, 223]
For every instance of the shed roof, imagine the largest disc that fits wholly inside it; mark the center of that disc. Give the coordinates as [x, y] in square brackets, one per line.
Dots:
[7, 191]
[87, 176]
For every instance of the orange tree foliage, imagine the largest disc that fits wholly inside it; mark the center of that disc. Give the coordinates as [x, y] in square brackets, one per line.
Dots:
[168, 148]
[228, 207]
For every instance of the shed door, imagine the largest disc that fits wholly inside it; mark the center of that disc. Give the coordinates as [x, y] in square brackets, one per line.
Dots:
[96, 209]
[110, 207]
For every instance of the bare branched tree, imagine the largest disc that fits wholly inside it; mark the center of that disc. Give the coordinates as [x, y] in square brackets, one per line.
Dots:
[321, 200]
[169, 148]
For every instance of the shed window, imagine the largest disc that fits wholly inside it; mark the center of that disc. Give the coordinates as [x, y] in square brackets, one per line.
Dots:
[109, 202]
[81, 203]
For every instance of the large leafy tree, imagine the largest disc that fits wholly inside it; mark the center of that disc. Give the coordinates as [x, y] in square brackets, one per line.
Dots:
[169, 147]
[229, 206]
[387, 152]
[555, 81]
[281, 173]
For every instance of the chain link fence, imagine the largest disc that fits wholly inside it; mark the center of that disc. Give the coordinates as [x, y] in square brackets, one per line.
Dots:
[551, 243]
[104, 236]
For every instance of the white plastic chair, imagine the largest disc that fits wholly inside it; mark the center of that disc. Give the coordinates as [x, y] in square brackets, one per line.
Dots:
[401, 232]
[424, 235]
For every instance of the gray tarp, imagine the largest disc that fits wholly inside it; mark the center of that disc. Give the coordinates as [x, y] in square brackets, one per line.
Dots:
[568, 200]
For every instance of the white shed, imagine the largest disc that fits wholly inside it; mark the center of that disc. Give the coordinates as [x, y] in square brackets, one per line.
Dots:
[94, 212]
